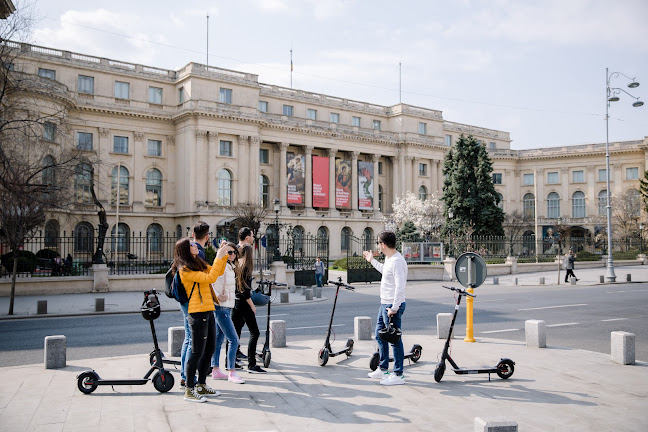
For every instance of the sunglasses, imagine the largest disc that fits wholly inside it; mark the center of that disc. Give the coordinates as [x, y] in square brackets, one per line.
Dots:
[192, 244]
[379, 243]
[232, 252]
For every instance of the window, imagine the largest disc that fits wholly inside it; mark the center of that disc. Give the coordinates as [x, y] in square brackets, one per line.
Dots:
[367, 239]
[298, 236]
[49, 131]
[119, 242]
[632, 173]
[154, 147]
[226, 148]
[47, 177]
[497, 178]
[154, 188]
[224, 188]
[178, 232]
[528, 203]
[85, 84]
[376, 124]
[84, 141]
[120, 144]
[51, 233]
[602, 175]
[263, 106]
[448, 140]
[527, 179]
[422, 193]
[225, 96]
[288, 110]
[500, 201]
[335, 118]
[578, 205]
[84, 238]
[154, 238]
[578, 177]
[122, 90]
[422, 169]
[380, 198]
[82, 181]
[264, 156]
[155, 95]
[380, 168]
[181, 95]
[120, 183]
[492, 146]
[552, 178]
[47, 73]
[264, 191]
[602, 202]
[345, 237]
[422, 129]
[311, 114]
[355, 121]
[633, 197]
[553, 205]
[322, 241]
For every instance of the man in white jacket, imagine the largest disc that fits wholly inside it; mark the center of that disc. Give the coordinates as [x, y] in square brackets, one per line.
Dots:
[392, 305]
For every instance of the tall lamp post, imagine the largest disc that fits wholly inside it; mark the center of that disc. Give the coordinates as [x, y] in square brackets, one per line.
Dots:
[277, 208]
[450, 215]
[612, 95]
[641, 228]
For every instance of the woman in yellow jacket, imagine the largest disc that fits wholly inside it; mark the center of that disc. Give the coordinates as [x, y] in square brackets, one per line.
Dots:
[197, 277]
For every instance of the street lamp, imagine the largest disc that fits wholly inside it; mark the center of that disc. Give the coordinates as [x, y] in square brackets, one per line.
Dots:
[612, 95]
[277, 208]
[641, 228]
[450, 215]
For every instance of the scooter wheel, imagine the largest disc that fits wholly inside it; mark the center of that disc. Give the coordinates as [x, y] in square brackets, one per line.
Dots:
[416, 353]
[163, 382]
[322, 357]
[505, 369]
[266, 358]
[349, 345]
[440, 370]
[373, 363]
[87, 382]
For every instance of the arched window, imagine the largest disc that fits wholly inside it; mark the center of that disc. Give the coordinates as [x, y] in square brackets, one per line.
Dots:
[367, 239]
[48, 177]
[529, 205]
[82, 179]
[154, 187]
[553, 205]
[380, 198]
[345, 238]
[154, 238]
[119, 182]
[224, 188]
[322, 241]
[119, 242]
[84, 238]
[578, 204]
[528, 243]
[51, 233]
[500, 203]
[178, 232]
[264, 191]
[422, 193]
[298, 233]
[602, 202]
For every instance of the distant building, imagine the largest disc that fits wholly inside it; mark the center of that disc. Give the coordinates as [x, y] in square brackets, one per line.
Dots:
[6, 8]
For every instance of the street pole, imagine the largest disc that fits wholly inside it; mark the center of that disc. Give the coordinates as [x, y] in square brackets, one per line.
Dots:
[609, 276]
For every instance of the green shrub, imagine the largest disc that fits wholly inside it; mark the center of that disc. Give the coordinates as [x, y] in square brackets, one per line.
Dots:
[47, 254]
[26, 261]
[495, 261]
[587, 256]
[622, 255]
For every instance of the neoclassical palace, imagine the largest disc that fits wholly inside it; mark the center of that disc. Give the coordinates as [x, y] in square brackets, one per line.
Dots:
[177, 146]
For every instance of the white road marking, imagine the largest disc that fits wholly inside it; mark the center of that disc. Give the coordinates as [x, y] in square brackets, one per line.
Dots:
[626, 291]
[614, 319]
[553, 307]
[300, 328]
[499, 331]
[271, 315]
[562, 325]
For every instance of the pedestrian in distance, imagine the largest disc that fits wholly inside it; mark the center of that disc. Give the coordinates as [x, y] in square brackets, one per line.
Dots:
[319, 271]
[392, 306]
[569, 265]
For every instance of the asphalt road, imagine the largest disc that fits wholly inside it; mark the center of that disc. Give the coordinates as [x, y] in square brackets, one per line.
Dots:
[576, 317]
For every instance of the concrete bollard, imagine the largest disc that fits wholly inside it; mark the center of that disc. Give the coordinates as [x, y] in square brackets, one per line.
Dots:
[542, 281]
[536, 333]
[278, 331]
[318, 292]
[572, 280]
[515, 281]
[41, 307]
[628, 277]
[495, 281]
[55, 352]
[443, 324]
[283, 297]
[495, 424]
[99, 304]
[292, 288]
[308, 293]
[362, 328]
[601, 279]
[623, 347]
[175, 338]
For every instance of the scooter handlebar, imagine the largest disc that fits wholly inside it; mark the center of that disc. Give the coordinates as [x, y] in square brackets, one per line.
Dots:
[342, 284]
[460, 291]
[268, 282]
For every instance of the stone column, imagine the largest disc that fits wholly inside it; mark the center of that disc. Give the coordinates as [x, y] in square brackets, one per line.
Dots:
[401, 173]
[201, 167]
[331, 154]
[395, 175]
[308, 176]
[415, 174]
[253, 169]
[212, 180]
[374, 159]
[566, 210]
[354, 182]
[243, 174]
[541, 199]
[281, 193]
[103, 148]
[433, 176]
[439, 165]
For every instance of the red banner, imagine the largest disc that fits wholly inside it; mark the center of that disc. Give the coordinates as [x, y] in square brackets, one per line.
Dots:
[320, 182]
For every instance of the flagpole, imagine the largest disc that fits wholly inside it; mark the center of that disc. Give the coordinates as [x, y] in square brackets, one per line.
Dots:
[207, 62]
[291, 68]
[399, 83]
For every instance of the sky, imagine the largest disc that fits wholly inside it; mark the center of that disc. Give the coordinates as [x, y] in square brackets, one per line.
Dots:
[536, 69]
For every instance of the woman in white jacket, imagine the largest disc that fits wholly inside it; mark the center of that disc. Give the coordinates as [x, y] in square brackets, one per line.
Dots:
[225, 289]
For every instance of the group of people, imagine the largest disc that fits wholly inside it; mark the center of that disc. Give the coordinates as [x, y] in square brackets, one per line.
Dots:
[219, 305]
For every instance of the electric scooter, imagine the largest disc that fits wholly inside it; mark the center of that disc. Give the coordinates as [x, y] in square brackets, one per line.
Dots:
[414, 355]
[327, 351]
[265, 355]
[163, 381]
[504, 369]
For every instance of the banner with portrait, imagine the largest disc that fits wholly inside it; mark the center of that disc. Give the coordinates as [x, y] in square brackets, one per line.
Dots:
[295, 183]
[365, 185]
[342, 184]
[320, 181]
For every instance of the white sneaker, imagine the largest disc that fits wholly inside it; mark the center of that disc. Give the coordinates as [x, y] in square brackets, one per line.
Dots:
[378, 373]
[393, 379]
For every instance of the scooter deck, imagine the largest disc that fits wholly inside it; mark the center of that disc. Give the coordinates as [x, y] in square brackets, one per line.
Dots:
[467, 371]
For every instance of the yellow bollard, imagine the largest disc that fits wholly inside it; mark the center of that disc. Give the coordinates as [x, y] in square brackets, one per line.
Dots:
[469, 317]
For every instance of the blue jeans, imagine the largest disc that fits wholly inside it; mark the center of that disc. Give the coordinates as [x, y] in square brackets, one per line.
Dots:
[383, 347]
[318, 279]
[185, 352]
[225, 329]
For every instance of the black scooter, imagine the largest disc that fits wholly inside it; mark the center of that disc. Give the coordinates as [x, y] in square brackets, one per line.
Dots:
[163, 381]
[265, 355]
[504, 369]
[327, 351]
[414, 355]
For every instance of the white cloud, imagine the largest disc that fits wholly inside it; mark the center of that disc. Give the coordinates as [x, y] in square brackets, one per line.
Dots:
[272, 5]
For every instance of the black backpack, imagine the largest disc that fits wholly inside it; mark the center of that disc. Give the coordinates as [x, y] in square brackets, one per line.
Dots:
[174, 289]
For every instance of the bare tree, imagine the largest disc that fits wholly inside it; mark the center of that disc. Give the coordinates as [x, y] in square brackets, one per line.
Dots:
[515, 224]
[249, 215]
[626, 211]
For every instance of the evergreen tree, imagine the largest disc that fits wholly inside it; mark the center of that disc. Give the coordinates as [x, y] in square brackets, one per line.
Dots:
[643, 188]
[468, 190]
